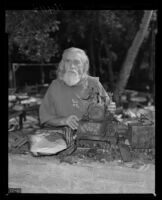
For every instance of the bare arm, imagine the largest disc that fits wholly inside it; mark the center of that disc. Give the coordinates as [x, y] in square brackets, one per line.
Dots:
[57, 122]
[71, 121]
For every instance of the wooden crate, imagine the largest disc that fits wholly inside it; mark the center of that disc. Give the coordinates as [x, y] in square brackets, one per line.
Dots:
[143, 136]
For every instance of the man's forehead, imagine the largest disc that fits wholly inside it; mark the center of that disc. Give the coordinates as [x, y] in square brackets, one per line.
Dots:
[73, 56]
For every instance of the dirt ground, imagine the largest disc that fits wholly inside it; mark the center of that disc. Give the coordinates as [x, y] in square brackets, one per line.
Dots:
[49, 175]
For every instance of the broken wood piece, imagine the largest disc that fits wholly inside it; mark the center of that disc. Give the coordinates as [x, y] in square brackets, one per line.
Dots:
[20, 141]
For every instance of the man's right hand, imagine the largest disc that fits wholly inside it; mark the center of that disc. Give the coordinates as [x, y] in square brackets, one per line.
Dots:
[72, 121]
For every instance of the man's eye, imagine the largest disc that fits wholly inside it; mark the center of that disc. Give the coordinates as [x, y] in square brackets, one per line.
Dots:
[76, 62]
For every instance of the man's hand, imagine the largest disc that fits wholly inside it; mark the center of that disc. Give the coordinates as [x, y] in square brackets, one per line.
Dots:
[72, 122]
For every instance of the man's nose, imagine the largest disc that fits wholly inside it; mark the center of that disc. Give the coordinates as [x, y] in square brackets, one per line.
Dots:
[72, 66]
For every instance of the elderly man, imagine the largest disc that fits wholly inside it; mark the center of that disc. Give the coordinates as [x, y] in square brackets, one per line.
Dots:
[66, 100]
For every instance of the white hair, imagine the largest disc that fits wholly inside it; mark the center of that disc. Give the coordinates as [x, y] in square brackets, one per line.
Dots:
[84, 58]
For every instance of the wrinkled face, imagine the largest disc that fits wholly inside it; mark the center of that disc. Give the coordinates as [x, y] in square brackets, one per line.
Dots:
[73, 68]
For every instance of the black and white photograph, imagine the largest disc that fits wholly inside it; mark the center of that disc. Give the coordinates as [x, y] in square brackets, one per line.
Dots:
[81, 100]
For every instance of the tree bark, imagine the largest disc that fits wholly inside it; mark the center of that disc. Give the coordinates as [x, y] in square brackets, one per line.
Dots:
[110, 59]
[99, 60]
[152, 53]
[42, 68]
[92, 60]
[152, 67]
[91, 46]
[11, 83]
[110, 70]
[42, 74]
[131, 55]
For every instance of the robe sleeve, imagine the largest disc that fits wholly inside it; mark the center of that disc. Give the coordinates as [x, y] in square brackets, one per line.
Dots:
[47, 109]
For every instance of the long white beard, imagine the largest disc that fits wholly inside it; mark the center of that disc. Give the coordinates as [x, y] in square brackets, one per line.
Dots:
[71, 78]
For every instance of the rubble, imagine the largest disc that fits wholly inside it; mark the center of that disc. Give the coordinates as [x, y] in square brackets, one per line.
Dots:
[132, 115]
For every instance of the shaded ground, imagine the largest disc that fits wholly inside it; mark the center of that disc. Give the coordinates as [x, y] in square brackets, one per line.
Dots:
[49, 175]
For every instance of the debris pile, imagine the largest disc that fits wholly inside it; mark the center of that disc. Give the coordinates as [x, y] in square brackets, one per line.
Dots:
[136, 110]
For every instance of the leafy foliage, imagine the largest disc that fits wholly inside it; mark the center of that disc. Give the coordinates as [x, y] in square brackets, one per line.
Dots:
[106, 35]
[31, 31]
[40, 35]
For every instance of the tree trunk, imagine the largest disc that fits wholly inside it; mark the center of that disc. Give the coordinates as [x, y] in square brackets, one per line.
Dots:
[42, 74]
[41, 67]
[131, 55]
[91, 46]
[152, 59]
[11, 85]
[92, 59]
[110, 70]
[99, 60]
[110, 60]
[10, 70]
